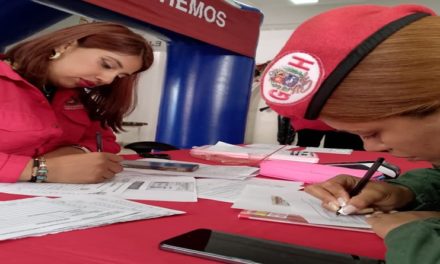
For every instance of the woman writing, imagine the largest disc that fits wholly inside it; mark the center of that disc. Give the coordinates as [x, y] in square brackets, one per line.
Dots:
[57, 91]
[374, 71]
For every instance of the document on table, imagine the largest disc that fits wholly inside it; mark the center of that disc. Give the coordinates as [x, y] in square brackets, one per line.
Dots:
[40, 216]
[205, 171]
[128, 184]
[252, 153]
[229, 190]
[290, 201]
[55, 189]
[139, 186]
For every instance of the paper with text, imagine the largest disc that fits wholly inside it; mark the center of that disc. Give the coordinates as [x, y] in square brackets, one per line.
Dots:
[253, 153]
[127, 184]
[229, 190]
[205, 171]
[294, 202]
[39, 216]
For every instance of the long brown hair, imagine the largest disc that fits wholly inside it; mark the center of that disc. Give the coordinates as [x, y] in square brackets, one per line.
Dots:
[399, 77]
[110, 103]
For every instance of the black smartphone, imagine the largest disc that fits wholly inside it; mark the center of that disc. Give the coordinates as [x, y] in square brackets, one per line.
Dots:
[387, 169]
[154, 156]
[160, 165]
[232, 248]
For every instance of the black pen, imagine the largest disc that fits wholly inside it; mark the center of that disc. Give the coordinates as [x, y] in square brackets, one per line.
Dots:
[365, 179]
[98, 142]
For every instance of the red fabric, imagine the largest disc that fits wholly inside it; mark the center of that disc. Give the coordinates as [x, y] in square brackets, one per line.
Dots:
[137, 242]
[215, 22]
[316, 48]
[30, 126]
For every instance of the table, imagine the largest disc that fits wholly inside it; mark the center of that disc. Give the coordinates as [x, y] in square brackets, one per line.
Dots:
[137, 242]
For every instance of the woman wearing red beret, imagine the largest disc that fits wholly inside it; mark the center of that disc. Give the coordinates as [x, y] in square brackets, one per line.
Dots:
[374, 71]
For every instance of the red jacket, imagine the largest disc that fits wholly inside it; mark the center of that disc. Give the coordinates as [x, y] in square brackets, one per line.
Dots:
[31, 126]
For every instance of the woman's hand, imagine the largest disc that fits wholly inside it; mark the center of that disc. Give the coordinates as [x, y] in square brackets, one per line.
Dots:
[382, 223]
[379, 195]
[91, 167]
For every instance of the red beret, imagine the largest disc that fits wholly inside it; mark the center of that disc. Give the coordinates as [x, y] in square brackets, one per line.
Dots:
[323, 50]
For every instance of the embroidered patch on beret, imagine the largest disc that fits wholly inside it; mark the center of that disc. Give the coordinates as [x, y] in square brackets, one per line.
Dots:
[291, 78]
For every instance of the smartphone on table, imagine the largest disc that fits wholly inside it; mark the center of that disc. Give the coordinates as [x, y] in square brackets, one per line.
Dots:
[160, 165]
[232, 248]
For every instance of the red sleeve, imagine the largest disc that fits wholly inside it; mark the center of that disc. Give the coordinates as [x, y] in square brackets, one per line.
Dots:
[11, 167]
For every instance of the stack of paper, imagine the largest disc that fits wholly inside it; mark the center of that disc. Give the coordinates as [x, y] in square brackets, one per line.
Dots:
[127, 184]
[40, 216]
[139, 184]
[251, 154]
[204, 171]
[229, 190]
[290, 205]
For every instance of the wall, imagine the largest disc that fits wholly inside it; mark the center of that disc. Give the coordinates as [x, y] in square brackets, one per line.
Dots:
[141, 124]
[270, 42]
[262, 126]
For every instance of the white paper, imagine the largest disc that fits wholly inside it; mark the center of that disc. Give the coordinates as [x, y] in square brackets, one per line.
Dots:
[329, 150]
[159, 188]
[256, 152]
[229, 190]
[39, 216]
[127, 184]
[55, 189]
[248, 150]
[291, 201]
[205, 171]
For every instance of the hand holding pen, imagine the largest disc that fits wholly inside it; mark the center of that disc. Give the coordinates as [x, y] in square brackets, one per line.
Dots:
[361, 184]
[341, 192]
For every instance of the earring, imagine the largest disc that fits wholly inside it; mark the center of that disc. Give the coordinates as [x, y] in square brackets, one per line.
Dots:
[55, 55]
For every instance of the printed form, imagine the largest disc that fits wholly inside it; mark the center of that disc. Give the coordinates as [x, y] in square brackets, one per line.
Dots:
[40, 216]
[290, 201]
[229, 190]
[128, 185]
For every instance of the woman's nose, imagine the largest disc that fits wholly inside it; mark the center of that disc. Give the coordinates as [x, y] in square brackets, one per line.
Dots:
[374, 145]
[106, 78]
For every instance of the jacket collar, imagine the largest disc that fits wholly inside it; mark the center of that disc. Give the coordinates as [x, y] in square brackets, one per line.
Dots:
[7, 71]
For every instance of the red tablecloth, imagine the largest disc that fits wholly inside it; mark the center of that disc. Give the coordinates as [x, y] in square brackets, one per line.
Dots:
[137, 242]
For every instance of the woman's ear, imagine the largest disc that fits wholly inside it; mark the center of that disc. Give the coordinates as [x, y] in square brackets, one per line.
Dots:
[67, 46]
[58, 51]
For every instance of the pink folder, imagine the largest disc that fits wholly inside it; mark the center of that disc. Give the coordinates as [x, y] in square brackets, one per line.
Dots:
[305, 172]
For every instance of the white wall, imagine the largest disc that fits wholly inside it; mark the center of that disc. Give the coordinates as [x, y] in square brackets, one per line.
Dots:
[149, 91]
[270, 43]
[262, 127]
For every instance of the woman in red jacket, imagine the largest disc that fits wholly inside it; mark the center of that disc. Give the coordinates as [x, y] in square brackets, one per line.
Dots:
[57, 91]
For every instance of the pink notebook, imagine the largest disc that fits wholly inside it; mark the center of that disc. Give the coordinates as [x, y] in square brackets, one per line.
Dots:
[305, 172]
